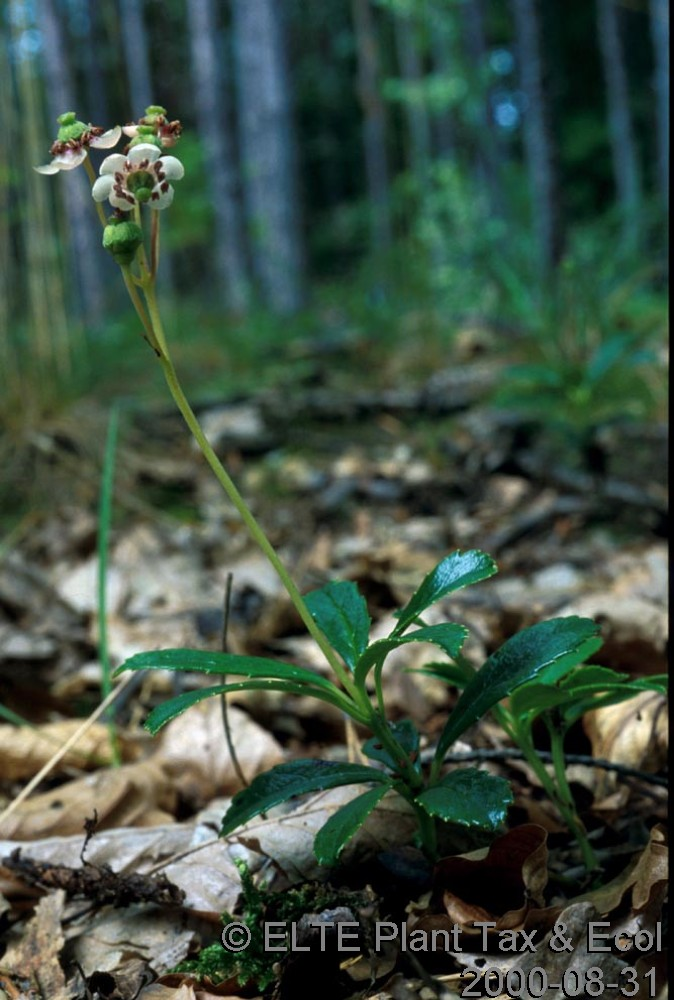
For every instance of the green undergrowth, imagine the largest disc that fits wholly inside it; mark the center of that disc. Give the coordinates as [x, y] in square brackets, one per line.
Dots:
[254, 964]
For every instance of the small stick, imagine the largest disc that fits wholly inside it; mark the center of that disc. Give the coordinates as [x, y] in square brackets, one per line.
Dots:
[512, 753]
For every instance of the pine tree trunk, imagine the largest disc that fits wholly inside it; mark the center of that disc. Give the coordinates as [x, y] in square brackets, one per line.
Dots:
[136, 49]
[85, 242]
[418, 125]
[660, 36]
[486, 138]
[269, 154]
[623, 145]
[214, 124]
[441, 61]
[374, 125]
[538, 144]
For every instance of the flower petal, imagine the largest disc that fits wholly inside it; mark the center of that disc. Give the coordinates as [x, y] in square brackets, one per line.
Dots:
[113, 164]
[102, 188]
[172, 168]
[70, 159]
[122, 201]
[161, 199]
[108, 139]
[48, 168]
[143, 151]
[130, 130]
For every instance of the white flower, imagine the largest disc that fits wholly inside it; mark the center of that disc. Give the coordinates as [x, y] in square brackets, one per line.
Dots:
[68, 154]
[140, 177]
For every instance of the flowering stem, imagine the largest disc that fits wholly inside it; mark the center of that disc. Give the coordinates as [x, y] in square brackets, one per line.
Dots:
[139, 307]
[142, 256]
[154, 245]
[254, 529]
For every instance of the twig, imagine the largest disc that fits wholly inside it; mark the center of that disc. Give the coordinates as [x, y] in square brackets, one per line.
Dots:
[511, 753]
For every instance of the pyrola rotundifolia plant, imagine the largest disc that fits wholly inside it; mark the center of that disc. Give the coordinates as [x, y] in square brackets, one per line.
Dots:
[541, 669]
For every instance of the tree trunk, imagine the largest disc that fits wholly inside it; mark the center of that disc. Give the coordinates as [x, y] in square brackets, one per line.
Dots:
[623, 145]
[538, 144]
[374, 125]
[95, 81]
[85, 242]
[269, 152]
[441, 60]
[418, 125]
[135, 43]
[486, 136]
[213, 122]
[660, 36]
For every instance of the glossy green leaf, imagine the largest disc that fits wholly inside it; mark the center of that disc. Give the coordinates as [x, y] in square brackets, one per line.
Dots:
[455, 674]
[454, 572]
[532, 699]
[559, 642]
[591, 674]
[340, 611]
[341, 827]
[206, 662]
[449, 636]
[297, 777]
[469, 797]
[168, 710]
[406, 734]
[589, 700]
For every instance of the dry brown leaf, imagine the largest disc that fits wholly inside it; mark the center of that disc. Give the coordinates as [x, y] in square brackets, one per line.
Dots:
[139, 793]
[204, 990]
[107, 940]
[500, 885]
[35, 955]
[24, 751]
[194, 752]
[634, 733]
[556, 962]
[190, 855]
[647, 876]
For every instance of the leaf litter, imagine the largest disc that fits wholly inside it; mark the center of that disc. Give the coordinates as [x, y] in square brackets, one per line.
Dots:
[377, 514]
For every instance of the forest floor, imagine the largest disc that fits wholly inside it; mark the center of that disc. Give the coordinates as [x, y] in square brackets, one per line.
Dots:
[110, 876]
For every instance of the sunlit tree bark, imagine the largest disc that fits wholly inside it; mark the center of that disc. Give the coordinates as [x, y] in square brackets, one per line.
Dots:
[538, 144]
[269, 154]
[623, 145]
[82, 221]
[374, 124]
[660, 36]
[213, 121]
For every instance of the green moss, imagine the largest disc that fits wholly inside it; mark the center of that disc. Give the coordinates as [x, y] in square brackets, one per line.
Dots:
[255, 965]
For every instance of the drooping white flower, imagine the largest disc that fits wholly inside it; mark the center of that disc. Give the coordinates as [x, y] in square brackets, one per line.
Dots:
[73, 141]
[154, 127]
[140, 177]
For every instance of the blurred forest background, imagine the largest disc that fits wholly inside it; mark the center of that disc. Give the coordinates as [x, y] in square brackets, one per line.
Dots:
[394, 173]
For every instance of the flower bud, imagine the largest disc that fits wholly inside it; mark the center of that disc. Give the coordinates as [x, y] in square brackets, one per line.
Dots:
[146, 134]
[122, 238]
